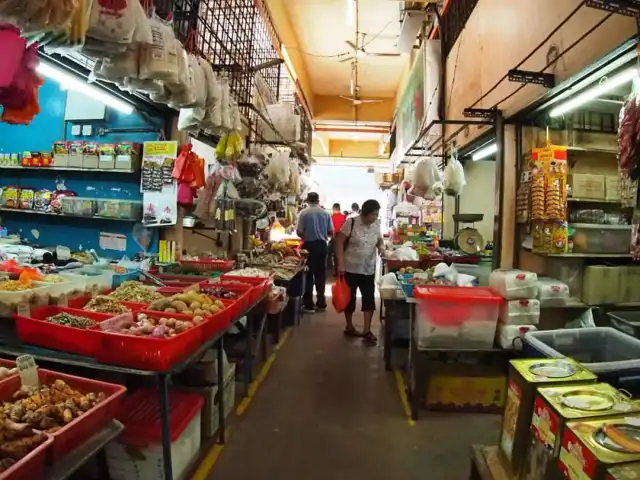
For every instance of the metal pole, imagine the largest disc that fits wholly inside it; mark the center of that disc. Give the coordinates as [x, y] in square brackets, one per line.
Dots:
[163, 386]
[519, 169]
[221, 387]
[498, 207]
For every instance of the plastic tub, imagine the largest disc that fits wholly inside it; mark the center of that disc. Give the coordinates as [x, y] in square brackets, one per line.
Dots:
[119, 278]
[74, 286]
[209, 265]
[627, 322]
[147, 353]
[33, 297]
[97, 280]
[80, 302]
[612, 355]
[552, 292]
[137, 453]
[32, 465]
[590, 238]
[456, 317]
[514, 284]
[35, 330]
[82, 428]
[240, 290]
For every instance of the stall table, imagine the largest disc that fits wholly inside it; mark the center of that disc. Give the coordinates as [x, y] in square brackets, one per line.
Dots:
[12, 346]
[70, 464]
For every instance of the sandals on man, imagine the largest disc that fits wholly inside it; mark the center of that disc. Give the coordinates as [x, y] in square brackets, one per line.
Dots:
[369, 339]
[351, 332]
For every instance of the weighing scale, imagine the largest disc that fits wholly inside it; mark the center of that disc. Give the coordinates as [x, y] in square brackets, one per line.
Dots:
[468, 240]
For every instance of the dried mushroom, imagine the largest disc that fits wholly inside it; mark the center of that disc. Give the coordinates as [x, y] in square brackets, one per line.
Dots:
[68, 320]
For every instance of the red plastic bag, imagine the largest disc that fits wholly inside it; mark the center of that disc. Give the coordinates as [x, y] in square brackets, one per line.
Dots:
[340, 295]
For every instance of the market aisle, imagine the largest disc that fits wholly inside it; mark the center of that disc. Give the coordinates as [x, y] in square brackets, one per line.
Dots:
[328, 409]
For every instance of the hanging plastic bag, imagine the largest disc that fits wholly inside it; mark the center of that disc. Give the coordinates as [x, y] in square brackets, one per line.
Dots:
[113, 21]
[454, 179]
[278, 169]
[340, 294]
[425, 173]
[189, 119]
[225, 112]
[199, 82]
[159, 60]
[142, 33]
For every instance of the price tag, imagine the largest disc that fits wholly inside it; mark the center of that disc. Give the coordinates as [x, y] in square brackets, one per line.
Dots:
[23, 309]
[28, 370]
[63, 300]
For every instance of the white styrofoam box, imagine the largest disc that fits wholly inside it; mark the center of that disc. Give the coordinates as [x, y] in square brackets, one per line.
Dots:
[507, 335]
[520, 312]
[126, 463]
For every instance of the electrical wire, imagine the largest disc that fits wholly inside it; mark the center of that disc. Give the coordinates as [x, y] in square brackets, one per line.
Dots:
[540, 45]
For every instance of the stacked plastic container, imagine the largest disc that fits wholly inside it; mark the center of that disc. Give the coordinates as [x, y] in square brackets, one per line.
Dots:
[520, 308]
[456, 317]
[552, 292]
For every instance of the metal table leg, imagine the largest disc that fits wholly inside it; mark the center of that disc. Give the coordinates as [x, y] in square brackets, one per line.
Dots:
[261, 340]
[388, 339]
[163, 387]
[248, 354]
[220, 394]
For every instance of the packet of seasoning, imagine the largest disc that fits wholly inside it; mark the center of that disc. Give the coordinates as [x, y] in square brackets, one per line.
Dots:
[10, 197]
[42, 200]
[27, 196]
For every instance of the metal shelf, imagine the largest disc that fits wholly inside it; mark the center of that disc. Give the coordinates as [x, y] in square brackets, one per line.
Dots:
[63, 169]
[592, 150]
[592, 200]
[586, 255]
[95, 217]
[597, 226]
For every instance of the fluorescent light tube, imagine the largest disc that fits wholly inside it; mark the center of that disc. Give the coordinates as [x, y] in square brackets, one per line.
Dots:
[484, 152]
[351, 12]
[594, 92]
[70, 81]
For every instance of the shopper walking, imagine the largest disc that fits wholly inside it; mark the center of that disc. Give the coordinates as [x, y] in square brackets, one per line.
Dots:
[357, 243]
[314, 227]
[355, 210]
[337, 220]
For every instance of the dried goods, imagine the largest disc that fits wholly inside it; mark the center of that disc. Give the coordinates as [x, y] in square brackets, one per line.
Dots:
[47, 407]
[13, 286]
[250, 272]
[133, 291]
[53, 278]
[105, 304]
[7, 372]
[142, 325]
[189, 303]
[69, 320]
[16, 441]
[222, 292]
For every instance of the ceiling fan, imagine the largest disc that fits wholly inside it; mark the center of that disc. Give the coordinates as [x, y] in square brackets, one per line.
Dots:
[354, 89]
[359, 52]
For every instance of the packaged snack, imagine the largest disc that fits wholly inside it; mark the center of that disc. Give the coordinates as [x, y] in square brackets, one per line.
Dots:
[107, 156]
[55, 206]
[76, 153]
[90, 158]
[42, 200]
[10, 197]
[26, 198]
[46, 160]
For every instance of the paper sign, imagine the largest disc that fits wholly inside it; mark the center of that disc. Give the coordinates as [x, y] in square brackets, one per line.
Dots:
[23, 309]
[28, 370]
[113, 241]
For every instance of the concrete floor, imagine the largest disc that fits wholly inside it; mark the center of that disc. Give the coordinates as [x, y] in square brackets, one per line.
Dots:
[328, 409]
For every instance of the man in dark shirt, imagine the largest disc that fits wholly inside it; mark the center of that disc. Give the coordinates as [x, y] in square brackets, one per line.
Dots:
[314, 227]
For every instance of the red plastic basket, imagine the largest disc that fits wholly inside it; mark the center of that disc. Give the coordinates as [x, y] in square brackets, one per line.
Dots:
[463, 259]
[398, 264]
[240, 290]
[140, 414]
[80, 429]
[31, 466]
[450, 306]
[209, 265]
[79, 303]
[146, 353]
[35, 330]
[217, 322]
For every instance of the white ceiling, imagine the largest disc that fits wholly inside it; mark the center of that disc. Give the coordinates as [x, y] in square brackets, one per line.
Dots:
[323, 28]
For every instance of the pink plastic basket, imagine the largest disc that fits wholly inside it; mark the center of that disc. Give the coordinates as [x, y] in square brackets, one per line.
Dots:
[451, 306]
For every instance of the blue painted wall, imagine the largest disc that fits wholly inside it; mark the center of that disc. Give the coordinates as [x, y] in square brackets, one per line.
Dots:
[48, 127]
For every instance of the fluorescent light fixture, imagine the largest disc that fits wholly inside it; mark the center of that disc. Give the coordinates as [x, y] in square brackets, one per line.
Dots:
[594, 92]
[351, 12]
[71, 82]
[484, 152]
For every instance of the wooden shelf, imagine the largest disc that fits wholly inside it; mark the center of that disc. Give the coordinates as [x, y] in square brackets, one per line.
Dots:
[586, 255]
[597, 226]
[593, 150]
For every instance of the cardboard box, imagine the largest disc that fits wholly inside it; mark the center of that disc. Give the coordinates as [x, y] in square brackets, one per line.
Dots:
[612, 187]
[76, 154]
[602, 285]
[587, 186]
[205, 371]
[478, 394]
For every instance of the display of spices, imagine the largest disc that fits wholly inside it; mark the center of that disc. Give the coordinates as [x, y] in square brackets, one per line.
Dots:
[68, 320]
[49, 407]
[16, 441]
[13, 286]
[105, 304]
[134, 291]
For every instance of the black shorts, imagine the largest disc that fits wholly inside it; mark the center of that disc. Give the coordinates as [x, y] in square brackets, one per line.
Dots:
[367, 286]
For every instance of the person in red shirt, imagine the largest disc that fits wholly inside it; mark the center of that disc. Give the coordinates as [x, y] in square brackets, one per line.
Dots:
[337, 219]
